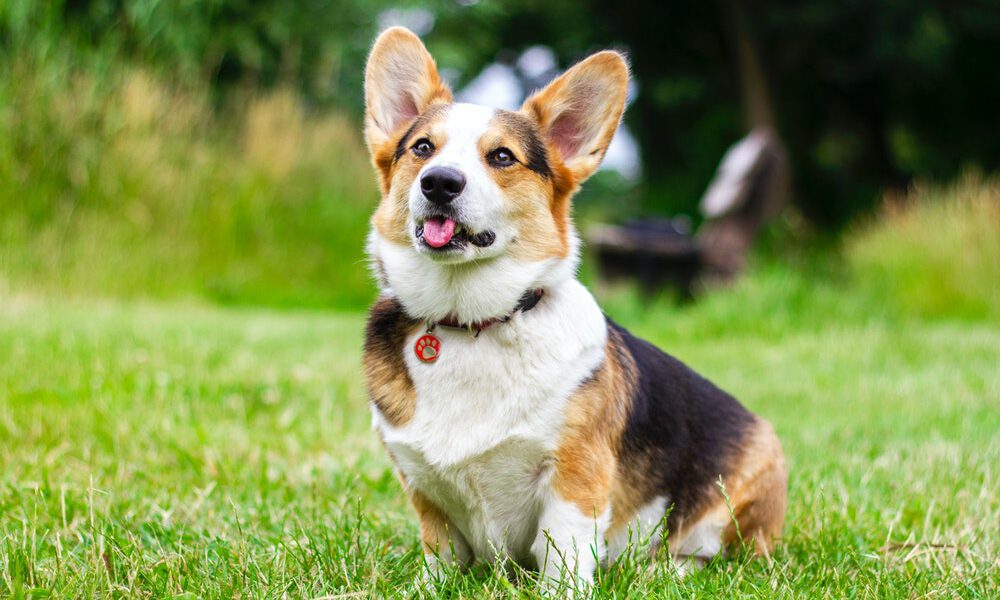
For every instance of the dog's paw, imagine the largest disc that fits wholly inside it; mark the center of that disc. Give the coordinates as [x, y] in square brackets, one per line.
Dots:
[565, 587]
[424, 583]
[433, 570]
[685, 565]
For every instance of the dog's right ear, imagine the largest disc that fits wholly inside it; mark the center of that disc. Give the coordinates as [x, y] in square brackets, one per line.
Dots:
[401, 81]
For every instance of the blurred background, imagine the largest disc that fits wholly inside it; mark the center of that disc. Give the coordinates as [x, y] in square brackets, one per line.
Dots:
[211, 148]
[803, 203]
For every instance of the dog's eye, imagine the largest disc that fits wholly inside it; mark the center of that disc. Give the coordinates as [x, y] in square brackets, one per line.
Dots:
[423, 148]
[501, 157]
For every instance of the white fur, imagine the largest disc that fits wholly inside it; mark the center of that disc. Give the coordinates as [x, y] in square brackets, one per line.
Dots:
[645, 527]
[488, 416]
[701, 542]
[478, 283]
[490, 409]
[704, 539]
[569, 541]
[481, 205]
[472, 292]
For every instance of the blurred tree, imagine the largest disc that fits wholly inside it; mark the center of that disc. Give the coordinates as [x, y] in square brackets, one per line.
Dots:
[864, 94]
[317, 45]
[870, 94]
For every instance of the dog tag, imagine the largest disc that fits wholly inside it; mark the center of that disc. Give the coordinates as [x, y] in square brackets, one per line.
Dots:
[427, 348]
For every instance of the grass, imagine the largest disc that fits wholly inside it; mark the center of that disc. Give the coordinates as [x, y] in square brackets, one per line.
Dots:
[937, 250]
[117, 182]
[160, 437]
[154, 449]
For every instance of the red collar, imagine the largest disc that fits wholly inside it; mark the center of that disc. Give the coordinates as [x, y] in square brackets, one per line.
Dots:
[528, 301]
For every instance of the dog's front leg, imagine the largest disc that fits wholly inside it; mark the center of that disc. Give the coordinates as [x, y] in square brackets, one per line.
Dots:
[573, 522]
[443, 544]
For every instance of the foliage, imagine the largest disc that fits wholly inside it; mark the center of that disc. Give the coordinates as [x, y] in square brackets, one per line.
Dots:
[935, 252]
[866, 95]
[315, 47]
[117, 184]
[121, 181]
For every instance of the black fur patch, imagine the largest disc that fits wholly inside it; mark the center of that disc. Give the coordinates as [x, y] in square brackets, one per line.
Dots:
[388, 325]
[385, 334]
[682, 431]
[537, 158]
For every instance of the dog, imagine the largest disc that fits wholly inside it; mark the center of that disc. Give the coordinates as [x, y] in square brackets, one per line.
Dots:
[524, 424]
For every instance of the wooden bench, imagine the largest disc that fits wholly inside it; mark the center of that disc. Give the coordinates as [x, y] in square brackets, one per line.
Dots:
[748, 190]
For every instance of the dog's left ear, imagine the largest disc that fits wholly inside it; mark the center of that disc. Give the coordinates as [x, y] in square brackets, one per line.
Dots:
[580, 110]
[401, 81]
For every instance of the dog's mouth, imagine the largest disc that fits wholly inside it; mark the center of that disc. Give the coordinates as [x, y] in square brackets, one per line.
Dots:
[442, 233]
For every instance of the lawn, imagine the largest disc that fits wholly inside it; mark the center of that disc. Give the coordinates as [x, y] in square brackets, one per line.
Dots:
[181, 406]
[167, 448]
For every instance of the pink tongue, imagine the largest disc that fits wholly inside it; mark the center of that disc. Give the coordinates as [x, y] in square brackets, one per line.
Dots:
[438, 231]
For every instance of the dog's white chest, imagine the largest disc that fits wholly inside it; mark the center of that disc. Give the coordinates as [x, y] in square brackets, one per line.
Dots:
[493, 498]
[488, 416]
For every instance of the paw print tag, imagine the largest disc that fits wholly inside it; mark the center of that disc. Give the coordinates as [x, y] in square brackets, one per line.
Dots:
[427, 348]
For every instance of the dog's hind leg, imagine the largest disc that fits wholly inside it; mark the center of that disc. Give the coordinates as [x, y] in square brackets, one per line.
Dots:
[750, 506]
[759, 493]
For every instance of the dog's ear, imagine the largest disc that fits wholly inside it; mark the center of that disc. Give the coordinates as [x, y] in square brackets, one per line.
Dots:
[401, 81]
[580, 110]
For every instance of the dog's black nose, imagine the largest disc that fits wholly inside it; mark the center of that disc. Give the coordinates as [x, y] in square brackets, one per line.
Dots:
[441, 185]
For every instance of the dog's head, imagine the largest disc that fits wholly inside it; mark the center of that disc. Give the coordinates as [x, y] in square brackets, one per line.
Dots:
[464, 185]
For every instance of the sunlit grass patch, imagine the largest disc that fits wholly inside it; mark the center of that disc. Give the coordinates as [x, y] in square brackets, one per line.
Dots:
[935, 252]
[158, 449]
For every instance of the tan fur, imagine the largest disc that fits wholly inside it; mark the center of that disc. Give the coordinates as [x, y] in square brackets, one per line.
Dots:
[577, 114]
[587, 472]
[759, 491]
[590, 474]
[564, 185]
[389, 383]
[435, 528]
[580, 111]
[391, 218]
[401, 81]
[541, 234]
[437, 533]
[757, 486]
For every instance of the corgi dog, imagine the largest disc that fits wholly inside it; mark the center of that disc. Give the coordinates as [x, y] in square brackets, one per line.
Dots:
[525, 424]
